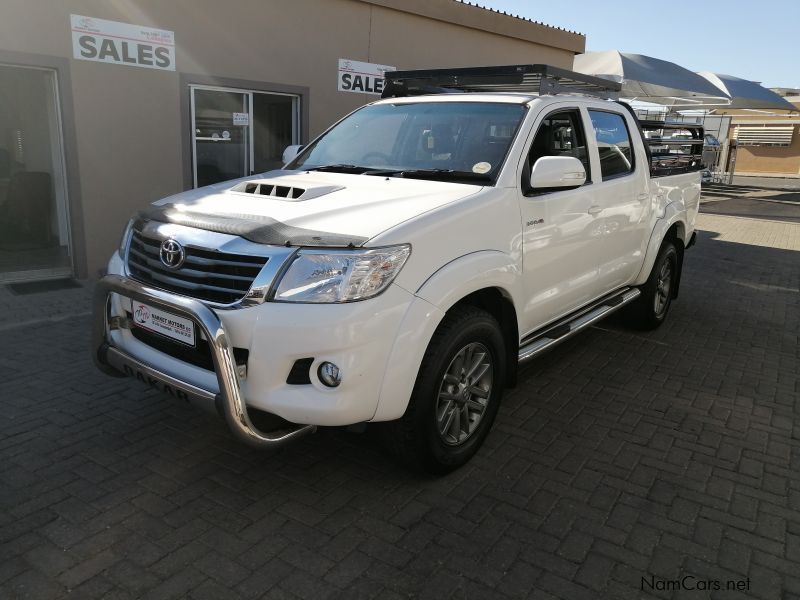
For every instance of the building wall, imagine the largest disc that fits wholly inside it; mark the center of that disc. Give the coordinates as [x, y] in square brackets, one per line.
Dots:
[768, 160]
[772, 160]
[131, 122]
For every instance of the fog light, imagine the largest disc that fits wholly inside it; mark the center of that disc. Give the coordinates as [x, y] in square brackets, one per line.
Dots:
[329, 374]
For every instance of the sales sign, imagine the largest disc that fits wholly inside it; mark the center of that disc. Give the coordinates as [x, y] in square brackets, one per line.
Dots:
[122, 43]
[361, 77]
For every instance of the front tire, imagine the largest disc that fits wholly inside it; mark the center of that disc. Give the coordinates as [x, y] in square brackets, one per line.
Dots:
[456, 395]
[649, 311]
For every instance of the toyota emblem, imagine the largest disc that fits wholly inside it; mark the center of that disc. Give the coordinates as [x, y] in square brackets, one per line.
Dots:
[172, 254]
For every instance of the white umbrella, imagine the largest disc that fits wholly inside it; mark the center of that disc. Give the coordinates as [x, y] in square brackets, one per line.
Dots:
[651, 79]
[745, 94]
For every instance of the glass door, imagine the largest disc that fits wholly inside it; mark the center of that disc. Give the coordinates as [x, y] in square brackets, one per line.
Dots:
[221, 134]
[34, 210]
[236, 133]
[275, 126]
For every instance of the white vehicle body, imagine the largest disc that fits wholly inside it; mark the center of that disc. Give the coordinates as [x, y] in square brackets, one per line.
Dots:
[546, 256]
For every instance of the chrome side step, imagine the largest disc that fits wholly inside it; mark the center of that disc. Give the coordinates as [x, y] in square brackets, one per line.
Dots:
[537, 343]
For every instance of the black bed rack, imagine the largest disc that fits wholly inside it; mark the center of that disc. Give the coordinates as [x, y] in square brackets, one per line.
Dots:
[529, 79]
[673, 155]
[696, 131]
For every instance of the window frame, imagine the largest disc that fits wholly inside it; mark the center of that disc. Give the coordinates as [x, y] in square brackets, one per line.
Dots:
[589, 110]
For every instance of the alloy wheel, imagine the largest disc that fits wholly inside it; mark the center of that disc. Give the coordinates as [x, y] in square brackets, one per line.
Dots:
[663, 288]
[464, 393]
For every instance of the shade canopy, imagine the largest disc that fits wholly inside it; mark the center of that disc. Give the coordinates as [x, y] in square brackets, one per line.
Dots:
[745, 94]
[651, 79]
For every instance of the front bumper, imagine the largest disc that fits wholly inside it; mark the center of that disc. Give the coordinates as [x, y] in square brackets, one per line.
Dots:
[228, 400]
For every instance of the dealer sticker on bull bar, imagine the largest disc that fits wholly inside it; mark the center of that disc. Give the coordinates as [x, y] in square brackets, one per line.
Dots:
[167, 324]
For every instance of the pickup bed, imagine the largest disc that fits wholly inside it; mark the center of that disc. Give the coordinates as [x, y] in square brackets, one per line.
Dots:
[402, 265]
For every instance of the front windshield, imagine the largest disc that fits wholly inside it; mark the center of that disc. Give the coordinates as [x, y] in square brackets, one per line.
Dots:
[466, 140]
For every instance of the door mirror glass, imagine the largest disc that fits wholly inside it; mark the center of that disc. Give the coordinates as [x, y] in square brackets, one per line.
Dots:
[291, 152]
[557, 172]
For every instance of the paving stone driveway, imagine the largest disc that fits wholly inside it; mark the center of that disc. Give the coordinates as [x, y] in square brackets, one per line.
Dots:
[622, 461]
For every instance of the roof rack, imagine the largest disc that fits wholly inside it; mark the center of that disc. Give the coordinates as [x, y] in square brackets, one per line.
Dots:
[529, 79]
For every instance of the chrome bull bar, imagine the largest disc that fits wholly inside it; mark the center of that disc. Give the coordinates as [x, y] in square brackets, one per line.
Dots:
[229, 401]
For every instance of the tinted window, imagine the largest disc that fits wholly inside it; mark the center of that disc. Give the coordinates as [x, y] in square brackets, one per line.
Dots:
[560, 134]
[613, 143]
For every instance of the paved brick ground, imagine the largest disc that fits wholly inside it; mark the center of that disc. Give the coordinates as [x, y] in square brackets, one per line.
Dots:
[777, 200]
[620, 456]
[33, 308]
[780, 183]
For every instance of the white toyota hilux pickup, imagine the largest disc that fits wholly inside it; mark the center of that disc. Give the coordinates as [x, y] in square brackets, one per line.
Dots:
[402, 265]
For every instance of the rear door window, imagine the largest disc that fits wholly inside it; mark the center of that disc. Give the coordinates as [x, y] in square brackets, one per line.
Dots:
[613, 144]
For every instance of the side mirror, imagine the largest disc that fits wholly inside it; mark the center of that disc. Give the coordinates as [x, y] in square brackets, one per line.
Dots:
[291, 152]
[557, 172]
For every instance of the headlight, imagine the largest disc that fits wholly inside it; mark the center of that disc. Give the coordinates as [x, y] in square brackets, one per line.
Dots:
[330, 276]
[126, 236]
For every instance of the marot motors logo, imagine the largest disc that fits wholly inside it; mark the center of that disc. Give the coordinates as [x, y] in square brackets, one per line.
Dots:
[172, 254]
[141, 314]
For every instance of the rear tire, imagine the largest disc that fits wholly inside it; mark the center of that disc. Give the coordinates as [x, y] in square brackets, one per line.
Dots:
[650, 309]
[456, 395]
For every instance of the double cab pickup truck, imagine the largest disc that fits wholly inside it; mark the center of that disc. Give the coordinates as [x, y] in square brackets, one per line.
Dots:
[401, 266]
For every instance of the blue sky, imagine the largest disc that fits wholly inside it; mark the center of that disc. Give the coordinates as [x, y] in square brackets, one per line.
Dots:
[749, 39]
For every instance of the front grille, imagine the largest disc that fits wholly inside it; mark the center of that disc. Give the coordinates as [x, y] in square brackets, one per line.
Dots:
[206, 274]
[198, 355]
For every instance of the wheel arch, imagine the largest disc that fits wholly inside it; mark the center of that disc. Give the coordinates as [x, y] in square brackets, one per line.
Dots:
[498, 303]
[671, 227]
[491, 281]
[677, 234]
[486, 279]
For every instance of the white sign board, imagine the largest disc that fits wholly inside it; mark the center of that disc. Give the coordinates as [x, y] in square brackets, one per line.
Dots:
[241, 118]
[159, 321]
[122, 43]
[361, 77]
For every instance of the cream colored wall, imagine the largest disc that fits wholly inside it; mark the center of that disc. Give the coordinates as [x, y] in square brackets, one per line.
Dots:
[413, 42]
[129, 121]
[771, 160]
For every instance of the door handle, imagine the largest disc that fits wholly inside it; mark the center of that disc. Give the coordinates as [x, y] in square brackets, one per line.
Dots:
[596, 209]
[643, 196]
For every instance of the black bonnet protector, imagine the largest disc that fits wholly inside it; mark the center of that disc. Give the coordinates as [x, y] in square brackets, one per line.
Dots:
[258, 229]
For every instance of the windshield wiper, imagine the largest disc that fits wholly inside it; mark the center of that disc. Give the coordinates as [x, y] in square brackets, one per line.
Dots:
[433, 174]
[342, 168]
[410, 173]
